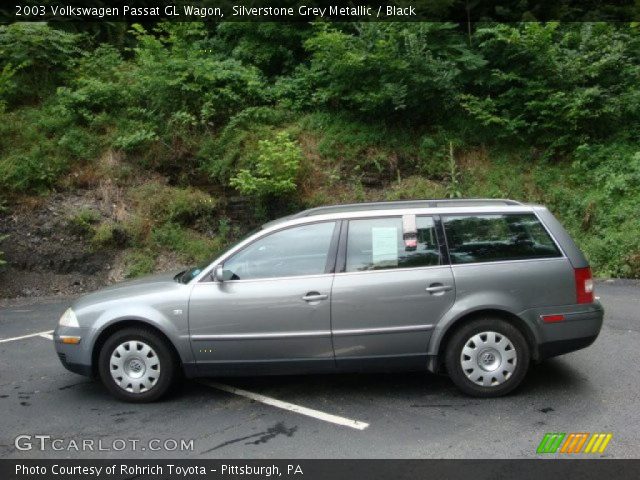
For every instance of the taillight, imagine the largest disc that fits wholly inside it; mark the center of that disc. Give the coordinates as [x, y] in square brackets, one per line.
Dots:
[584, 285]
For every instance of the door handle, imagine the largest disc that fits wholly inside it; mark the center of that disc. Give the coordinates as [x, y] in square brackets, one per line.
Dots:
[438, 288]
[314, 297]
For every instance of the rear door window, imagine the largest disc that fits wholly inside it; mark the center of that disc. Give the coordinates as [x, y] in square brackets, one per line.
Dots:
[497, 237]
[379, 244]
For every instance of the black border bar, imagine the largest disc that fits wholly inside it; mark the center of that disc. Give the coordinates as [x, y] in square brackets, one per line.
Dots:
[551, 468]
[460, 11]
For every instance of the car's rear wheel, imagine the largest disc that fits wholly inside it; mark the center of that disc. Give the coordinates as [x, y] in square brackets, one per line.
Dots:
[137, 365]
[487, 357]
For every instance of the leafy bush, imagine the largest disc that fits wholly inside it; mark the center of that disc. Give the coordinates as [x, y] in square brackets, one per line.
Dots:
[8, 85]
[606, 221]
[38, 58]
[164, 218]
[189, 244]
[160, 104]
[173, 75]
[110, 234]
[32, 169]
[83, 222]
[275, 48]
[139, 262]
[163, 203]
[134, 140]
[220, 155]
[275, 169]
[556, 85]
[409, 70]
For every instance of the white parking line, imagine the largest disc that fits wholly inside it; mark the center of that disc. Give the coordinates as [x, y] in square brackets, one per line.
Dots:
[327, 417]
[39, 334]
[47, 336]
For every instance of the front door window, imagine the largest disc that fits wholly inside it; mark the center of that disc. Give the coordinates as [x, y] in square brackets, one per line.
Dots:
[295, 251]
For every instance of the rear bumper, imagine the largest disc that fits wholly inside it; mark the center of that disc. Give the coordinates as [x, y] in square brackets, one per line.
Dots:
[560, 347]
[578, 330]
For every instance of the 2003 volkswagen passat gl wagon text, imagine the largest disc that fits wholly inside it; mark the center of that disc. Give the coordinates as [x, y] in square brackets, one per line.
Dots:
[475, 288]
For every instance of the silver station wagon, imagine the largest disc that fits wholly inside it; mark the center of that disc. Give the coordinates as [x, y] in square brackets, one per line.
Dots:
[475, 288]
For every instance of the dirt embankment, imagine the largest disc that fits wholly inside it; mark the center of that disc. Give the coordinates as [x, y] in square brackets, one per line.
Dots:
[44, 256]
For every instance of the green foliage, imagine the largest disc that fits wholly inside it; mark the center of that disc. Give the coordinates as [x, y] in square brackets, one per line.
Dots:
[35, 58]
[275, 48]
[163, 203]
[414, 187]
[554, 84]
[221, 155]
[8, 85]
[139, 262]
[37, 148]
[109, 234]
[210, 87]
[164, 218]
[83, 222]
[159, 105]
[275, 169]
[134, 140]
[607, 216]
[407, 70]
[361, 148]
[189, 244]
[320, 113]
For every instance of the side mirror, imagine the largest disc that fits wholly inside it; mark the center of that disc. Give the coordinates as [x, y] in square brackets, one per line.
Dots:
[218, 273]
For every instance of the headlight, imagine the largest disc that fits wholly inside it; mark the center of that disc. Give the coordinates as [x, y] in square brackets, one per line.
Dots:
[68, 319]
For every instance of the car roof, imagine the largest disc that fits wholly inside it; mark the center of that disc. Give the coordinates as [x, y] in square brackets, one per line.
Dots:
[441, 203]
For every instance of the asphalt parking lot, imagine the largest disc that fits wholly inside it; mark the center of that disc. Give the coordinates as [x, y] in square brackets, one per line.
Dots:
[351, 416]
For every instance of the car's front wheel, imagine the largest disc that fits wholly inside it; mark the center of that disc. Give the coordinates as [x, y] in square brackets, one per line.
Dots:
[136, 365]
[487, 357]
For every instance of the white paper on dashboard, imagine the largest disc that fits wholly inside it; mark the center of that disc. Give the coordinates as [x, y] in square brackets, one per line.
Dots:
[384, 245]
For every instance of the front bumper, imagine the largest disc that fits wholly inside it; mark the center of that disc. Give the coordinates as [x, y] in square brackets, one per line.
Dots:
[78, 368]
[75, 358]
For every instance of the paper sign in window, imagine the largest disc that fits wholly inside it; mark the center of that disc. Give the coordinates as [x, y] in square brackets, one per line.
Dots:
[384, 246]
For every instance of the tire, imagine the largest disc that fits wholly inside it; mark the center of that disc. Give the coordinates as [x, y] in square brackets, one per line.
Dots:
[487, 357]
[136, 365]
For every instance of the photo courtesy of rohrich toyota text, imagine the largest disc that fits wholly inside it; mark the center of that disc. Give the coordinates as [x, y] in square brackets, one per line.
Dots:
[311, 239]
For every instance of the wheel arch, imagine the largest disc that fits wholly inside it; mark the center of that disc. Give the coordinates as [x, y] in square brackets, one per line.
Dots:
[511, 318]
[128, 323]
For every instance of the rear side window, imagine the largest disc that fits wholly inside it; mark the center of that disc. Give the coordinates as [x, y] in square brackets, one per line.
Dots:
[378, 244]
[492, 238]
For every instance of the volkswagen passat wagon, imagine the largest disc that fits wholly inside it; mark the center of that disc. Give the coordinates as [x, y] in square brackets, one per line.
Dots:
[475, 288]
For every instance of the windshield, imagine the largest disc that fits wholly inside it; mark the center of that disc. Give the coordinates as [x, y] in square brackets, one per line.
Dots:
[191, 273]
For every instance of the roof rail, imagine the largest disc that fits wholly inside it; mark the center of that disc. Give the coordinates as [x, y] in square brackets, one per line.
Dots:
[477, 201]
[430, 203]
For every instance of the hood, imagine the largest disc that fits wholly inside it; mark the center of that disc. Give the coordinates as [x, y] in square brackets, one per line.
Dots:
[147, 280]
[140, 286]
